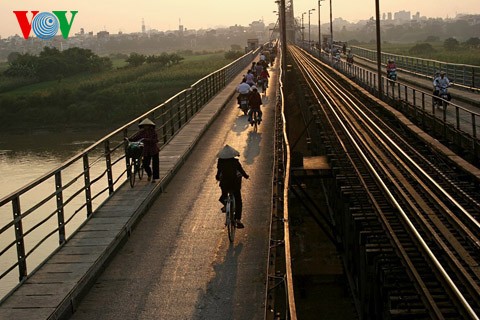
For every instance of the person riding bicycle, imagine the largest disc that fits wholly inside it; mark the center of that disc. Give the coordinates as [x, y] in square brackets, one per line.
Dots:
[230, 173]
[264, 75]
[254, 101]
[149, 137]
[250, 78]
[243, 90]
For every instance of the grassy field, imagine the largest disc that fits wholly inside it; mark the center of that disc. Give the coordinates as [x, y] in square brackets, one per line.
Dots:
[469, 56]
[114, 96]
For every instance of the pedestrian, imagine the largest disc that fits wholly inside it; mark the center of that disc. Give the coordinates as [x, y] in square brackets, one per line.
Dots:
[148, 135]
[229, 174]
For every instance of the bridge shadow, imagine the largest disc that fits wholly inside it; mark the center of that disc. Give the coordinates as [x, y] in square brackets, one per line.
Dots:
[252, 149]
[241, 124]
[218, 301]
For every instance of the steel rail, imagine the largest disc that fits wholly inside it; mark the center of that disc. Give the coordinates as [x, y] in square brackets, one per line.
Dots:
[447, 278]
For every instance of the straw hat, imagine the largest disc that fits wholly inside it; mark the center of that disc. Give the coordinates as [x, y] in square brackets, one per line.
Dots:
[146, 122]
[228, 152]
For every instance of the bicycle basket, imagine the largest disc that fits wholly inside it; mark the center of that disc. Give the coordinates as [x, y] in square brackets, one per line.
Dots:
[134, 149]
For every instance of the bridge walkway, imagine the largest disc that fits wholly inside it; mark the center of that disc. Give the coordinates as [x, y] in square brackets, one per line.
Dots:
[177, 261]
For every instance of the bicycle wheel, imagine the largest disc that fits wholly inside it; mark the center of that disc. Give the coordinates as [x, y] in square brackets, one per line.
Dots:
[230, 211]
[140, 169]
[131, 172]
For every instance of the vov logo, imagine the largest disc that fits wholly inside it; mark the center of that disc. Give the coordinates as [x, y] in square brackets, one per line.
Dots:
[45, 25]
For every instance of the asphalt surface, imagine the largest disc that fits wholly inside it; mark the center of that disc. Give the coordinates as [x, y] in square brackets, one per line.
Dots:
[178, 262]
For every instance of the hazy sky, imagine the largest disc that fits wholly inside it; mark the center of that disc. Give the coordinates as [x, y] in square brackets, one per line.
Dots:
[127, 15]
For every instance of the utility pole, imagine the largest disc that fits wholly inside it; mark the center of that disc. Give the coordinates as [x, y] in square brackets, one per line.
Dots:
[319, 29]
[331, 31]
[379, 50]
[309, 13]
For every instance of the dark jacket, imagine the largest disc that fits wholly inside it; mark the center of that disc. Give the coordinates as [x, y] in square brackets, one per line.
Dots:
[229, 173]
[150, 140]
[255, 100]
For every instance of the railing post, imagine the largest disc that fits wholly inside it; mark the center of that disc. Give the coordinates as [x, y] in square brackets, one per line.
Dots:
[60, 211]
[108, 163]
[20, 243]
[88, 193]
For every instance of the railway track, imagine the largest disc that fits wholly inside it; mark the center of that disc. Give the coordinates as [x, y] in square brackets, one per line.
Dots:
[409, 220]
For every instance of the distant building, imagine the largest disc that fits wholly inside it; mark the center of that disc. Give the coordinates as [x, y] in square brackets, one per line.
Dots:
[402, 16]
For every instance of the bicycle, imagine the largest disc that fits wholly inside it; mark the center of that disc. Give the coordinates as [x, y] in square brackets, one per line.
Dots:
[134, 158]
[255, 120]
[230, 216]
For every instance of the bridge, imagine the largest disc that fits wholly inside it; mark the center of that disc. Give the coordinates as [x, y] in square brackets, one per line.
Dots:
[160, 250]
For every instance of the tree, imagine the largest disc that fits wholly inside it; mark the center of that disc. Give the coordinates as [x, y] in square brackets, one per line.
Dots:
[421, 48]
[13, 56]
[472, 42]
[451, 44]
[135, 59]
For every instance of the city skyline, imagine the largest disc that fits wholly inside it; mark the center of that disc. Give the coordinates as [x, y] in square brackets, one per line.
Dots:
[127, 16]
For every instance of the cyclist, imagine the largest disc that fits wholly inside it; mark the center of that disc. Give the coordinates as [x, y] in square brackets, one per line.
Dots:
[255, 101]
[264, 75]
[249, 77]
[230, 173]
[149, 137]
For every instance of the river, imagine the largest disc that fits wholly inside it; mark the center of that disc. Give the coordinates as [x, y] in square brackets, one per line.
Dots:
[25, 157]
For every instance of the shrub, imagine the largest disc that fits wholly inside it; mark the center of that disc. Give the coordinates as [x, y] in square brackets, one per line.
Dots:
[421, 48]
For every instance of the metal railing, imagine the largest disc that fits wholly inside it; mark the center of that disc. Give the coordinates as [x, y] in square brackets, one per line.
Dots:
[39, 218]
[455, 124]
[464, 75]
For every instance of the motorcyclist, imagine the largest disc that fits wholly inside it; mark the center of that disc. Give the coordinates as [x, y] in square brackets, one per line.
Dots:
[391, 70]
[243, 90]
[441, 82]
[350, 56]
[391, 66]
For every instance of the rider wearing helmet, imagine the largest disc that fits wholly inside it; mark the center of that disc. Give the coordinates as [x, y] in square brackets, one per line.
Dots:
[441, 82]
[391, 65]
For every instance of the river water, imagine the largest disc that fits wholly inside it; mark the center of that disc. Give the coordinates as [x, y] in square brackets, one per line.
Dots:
[25, 157]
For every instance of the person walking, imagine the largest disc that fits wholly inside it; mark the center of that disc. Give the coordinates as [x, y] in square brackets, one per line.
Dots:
[148, 136]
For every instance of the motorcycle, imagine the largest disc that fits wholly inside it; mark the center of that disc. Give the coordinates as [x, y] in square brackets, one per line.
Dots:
[444, 95]
[244, 103]
[392, 74]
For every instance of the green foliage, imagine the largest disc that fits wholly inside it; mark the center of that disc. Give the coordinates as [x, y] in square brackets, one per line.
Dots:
[451, 44]
[135, 59]
[105, 98]
[54, 64]
[421, 48]
[472, 43]
[233, 55]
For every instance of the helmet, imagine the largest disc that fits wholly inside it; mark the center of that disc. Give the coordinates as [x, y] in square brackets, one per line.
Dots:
[253, 87]
[442, 73]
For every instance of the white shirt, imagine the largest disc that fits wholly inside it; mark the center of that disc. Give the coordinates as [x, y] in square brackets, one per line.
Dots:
[243, 88]
[440, 82]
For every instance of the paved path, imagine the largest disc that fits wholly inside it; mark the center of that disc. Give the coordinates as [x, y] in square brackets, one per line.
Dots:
[56, 288]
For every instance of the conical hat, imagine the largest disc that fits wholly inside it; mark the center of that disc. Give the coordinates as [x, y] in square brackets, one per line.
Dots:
[228, 152]
[146, 122]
